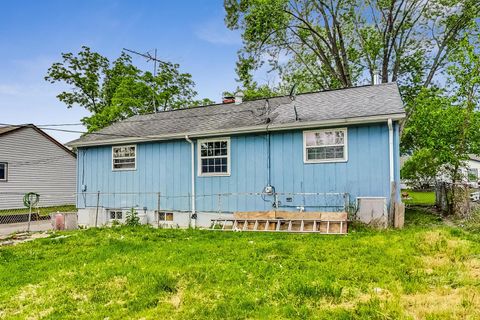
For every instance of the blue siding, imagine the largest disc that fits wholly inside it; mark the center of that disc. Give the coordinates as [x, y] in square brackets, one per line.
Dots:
[165, 167]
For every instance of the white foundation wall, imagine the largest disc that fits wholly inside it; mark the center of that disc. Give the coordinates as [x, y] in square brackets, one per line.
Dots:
[89, 218]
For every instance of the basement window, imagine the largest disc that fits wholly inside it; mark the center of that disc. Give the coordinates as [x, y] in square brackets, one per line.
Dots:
[124, 157]
[115, 215]
[214, 157]
[165, 216]
[3, 171]
[329, 145]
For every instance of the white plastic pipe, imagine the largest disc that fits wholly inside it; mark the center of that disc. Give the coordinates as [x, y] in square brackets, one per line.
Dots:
[390, 149]
[192, 144]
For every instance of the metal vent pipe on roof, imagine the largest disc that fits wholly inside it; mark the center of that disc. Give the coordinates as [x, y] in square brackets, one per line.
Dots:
[239, 97]
[376, 78]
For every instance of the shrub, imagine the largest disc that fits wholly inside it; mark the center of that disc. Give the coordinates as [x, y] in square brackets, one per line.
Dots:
[132, 218]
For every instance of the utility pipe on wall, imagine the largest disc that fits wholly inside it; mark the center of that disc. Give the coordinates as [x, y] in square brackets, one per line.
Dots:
[192, 144]
[390, 149]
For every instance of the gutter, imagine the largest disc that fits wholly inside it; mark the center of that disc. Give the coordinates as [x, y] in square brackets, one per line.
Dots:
[192, 144]
[243, 130]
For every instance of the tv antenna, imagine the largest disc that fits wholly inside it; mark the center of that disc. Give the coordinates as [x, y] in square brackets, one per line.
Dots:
[149, 58]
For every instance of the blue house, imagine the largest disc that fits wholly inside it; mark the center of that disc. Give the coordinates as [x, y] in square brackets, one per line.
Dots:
[320, 151]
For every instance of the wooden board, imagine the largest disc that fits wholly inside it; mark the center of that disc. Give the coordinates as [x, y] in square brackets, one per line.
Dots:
[290, 215]
[399, 220]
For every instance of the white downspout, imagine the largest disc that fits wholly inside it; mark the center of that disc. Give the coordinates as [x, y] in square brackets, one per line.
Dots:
[390, 149]
[192, 144]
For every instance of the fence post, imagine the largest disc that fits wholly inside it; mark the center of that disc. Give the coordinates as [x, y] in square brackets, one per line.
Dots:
[347, 201]
[275, 201]
[219, 203]
[98, 204]
[158, 210]
[29, 216]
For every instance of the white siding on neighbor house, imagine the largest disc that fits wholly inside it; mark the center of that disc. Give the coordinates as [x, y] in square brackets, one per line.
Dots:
[472, 164]
[36, 164]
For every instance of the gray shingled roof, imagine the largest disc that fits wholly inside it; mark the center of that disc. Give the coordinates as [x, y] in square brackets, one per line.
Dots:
[348, 103]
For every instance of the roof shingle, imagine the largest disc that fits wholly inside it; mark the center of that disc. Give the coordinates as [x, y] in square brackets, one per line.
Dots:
[348, 103]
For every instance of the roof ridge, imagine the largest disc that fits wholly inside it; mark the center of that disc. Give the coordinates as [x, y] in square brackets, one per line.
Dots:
[267, 98]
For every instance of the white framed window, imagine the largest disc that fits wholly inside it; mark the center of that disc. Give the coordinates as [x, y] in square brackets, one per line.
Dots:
[3, 171]
[326, 145]
[164, 216]
[115, 215]
[214, 157]
[124, 157]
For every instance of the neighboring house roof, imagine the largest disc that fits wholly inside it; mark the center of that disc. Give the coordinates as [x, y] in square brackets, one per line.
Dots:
[474, 158]
[334, 107]
[9, 129]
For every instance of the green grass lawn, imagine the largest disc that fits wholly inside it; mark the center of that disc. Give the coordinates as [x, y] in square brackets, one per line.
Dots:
[423, 198]
[422, 272]
[42, 211]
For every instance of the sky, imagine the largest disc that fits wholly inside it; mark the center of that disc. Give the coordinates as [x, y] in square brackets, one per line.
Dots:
[33, 34]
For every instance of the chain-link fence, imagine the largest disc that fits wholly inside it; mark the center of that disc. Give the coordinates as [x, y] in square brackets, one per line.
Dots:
[99, 208]
[155, 208]
[20, 212]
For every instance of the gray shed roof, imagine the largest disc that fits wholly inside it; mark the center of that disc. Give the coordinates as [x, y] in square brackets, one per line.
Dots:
[334, 107]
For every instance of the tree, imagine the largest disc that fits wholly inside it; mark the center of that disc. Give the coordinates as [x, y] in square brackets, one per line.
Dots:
[118, 90]
[446, 121]
[421, 170]
[332, 44]
[255, 91]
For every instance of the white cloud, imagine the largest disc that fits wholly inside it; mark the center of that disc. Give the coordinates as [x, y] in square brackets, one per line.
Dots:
[215, 31]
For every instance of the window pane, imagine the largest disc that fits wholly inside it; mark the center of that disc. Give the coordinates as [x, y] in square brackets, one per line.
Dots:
[124, 157]
[213, 157]
[325, 153]
[330, 152]
[3, 171]
[322, 138]
[339, 152]
[310, 139]
[339, 137]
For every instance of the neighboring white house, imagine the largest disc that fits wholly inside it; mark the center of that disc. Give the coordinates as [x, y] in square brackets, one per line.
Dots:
[33, 161]
[472, 171]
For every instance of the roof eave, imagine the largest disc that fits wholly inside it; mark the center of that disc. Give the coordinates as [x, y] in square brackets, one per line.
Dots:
[244, 130]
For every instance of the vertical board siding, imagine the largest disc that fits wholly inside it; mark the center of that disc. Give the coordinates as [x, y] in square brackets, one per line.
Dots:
[165, 167]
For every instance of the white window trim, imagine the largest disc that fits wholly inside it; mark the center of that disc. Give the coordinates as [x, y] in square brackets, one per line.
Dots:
[345, 142]
[199, 158]
[6, 171]
[125, 169]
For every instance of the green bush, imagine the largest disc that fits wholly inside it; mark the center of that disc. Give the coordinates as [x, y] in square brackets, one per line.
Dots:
[132, 218]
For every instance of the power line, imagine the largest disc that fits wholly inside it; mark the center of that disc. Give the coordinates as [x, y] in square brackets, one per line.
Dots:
[75, 131]
[126, 121]
[59, 124]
